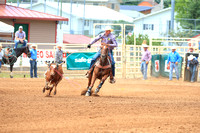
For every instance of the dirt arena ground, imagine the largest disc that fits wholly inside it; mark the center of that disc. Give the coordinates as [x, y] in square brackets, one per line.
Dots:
[130, 105]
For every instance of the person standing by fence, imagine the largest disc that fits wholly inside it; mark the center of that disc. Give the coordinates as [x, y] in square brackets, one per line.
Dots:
[146, 57]
[33, 61]
[192, 66]
[1, 56]
[172, 62]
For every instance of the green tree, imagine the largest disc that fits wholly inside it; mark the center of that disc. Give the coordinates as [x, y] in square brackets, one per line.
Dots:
[188, 9]
[139, 40]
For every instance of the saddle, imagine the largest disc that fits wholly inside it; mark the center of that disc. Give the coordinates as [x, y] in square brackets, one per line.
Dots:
[107, 66]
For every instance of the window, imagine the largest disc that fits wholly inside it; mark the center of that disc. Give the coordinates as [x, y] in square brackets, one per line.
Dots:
[86, 23]
[64, 22]
[148, 26]
[95, 4]
[113, 6]
[168, 25]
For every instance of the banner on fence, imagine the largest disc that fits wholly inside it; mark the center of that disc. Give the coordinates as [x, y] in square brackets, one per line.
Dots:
[79, 61]
[42, 56]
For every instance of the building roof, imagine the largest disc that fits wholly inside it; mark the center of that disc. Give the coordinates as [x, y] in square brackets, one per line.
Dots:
[76, 39]
[154, 13]
[136, 8]
[91, 12]
[12, 12]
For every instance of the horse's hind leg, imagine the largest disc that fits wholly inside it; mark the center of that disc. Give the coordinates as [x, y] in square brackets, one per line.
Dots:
[11, 69]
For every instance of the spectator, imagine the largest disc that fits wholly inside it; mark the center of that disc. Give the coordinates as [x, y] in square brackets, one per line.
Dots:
[191, 49]
[33, 61]
[192, 65]
[59, 54]
[20, 37]
[173, 60]
[1, 56]
[146, 57]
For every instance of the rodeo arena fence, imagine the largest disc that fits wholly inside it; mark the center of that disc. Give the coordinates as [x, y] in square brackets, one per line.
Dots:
[127, 57]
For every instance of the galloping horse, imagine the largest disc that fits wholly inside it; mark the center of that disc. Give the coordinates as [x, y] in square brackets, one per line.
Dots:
[15, 54]
[102, 71]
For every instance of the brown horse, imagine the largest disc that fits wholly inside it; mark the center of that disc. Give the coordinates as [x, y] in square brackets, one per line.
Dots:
[102, 70]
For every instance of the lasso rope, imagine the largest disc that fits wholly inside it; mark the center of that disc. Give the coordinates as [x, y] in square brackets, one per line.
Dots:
[9, 55]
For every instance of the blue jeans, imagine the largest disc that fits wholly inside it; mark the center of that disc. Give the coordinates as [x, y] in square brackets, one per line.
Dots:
[18, 41]
[33, 67]
[97, 55]
[173, 66]
[0, 64]
[143, 69]
[193, 70]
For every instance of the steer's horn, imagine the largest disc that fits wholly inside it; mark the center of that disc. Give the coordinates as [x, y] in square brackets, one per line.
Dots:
[61, 63]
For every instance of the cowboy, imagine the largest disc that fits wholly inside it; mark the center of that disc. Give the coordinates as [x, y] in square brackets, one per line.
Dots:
[192, 66]
[59, 54]
[20, 37]
[146, 57]
[109, 39]
[33, 61]
[172, 62]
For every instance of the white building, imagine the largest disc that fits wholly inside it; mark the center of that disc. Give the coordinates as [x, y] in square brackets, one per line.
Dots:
[93, 14]
[155, 24]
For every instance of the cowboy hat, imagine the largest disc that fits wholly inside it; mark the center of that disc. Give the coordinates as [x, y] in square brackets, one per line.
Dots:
[191, 47]
[145, 46]
[173, 47]
[59, 45]
[108, 28]
[33, 45]
[191, 57]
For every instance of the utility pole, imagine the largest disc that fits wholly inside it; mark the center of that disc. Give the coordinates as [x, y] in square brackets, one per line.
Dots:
[45, 6]
[58, 9]
[70, 18]
[17, 3]
[83, 18]
[31, 4]
[61, 12]
[172, 14]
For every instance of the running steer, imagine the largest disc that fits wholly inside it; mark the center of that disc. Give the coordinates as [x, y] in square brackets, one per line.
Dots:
[53, 76]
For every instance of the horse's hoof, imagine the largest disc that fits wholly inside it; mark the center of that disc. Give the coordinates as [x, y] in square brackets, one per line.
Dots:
[54, 93]
[43, 90]
[87, 94]
[96, 91]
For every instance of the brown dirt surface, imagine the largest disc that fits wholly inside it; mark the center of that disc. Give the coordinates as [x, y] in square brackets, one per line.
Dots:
[130, 105]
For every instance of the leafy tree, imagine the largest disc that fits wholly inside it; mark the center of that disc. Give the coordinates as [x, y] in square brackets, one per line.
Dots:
[188, 9]
[139, 40]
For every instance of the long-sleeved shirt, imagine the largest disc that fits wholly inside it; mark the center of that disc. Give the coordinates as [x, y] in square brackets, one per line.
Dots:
[188, 63]
[173, 57]
[146, 56]
[110, 39]
[58, 56]
[33, 54]
[1, 54]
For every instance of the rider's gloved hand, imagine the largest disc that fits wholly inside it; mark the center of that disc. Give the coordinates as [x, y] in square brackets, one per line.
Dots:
[89, 46]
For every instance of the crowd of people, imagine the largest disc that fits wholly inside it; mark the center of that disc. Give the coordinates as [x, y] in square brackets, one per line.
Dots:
[109, 39]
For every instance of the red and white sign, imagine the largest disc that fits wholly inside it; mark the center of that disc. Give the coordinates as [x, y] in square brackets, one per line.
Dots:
[42, 56]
